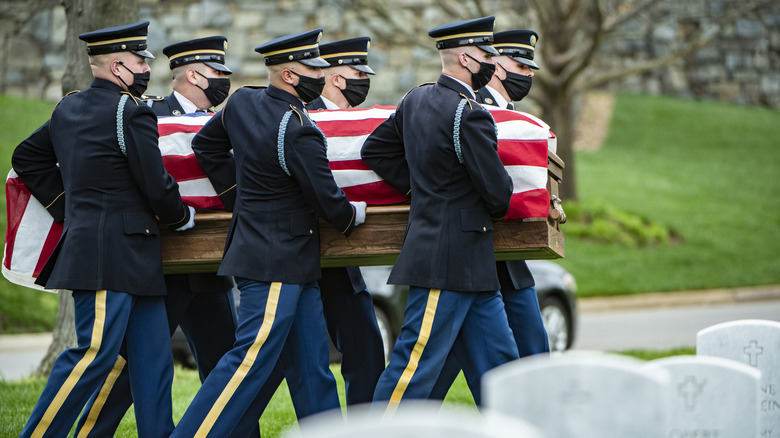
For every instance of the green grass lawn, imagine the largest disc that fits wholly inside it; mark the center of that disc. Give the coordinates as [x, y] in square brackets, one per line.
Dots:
[22, 310]
[18, 399]
[707, 171]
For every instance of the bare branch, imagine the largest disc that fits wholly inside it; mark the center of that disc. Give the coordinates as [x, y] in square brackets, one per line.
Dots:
[627, 11]
[652, 64]
[541, 12]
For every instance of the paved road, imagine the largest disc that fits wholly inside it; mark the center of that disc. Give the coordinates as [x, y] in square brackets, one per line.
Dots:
[662, 328]
[21, 354]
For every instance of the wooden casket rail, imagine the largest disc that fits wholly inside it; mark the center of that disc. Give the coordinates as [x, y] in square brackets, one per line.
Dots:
[376, 242]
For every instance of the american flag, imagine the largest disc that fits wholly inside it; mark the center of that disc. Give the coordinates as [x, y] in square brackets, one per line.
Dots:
[522, 146]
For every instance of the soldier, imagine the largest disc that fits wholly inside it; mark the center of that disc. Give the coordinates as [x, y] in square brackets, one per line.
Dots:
[202, 304]
[514, 72]
[282, 183]
[349, 310]
[96, 165]
[441, 147]
[511, 81]
[346, 79]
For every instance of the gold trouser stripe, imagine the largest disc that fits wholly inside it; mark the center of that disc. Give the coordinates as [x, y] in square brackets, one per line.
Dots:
[246, 364]
[78, 370]
[417, 351]
[100, 401]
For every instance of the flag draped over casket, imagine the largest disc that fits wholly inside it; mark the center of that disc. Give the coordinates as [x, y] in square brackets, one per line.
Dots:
[522, 146]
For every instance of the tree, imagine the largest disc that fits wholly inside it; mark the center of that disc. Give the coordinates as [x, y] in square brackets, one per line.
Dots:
[82, 16]
[572, 35]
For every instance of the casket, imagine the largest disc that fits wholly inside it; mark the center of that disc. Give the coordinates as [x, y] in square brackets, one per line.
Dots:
[377, 241]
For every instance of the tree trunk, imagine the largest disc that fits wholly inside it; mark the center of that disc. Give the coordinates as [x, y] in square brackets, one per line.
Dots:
[82, 16]
[64, 334]
[562, 121]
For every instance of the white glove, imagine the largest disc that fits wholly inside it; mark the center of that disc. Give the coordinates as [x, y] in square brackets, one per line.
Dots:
[360, 212]
[191, 222]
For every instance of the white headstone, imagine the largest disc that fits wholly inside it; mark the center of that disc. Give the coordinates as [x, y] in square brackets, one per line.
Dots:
[755, 343]
[413, 419]
[582, 395]
[711, 397]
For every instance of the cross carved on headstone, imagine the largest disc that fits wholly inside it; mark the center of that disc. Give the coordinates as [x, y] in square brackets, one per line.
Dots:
[689, 389]
[753, 351]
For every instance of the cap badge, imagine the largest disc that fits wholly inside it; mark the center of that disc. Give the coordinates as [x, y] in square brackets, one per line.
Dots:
[533, 40]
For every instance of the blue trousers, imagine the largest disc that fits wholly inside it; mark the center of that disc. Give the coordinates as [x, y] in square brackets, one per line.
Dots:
[107, 322]
[352, 327]
[525, 320]
[276, 322]
[472, 325]
[208, 321]
[354, 331]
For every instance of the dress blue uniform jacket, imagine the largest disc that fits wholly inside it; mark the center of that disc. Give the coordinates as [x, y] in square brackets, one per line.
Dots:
[110, 239]
[453, 203]
[336, 277]
[514, 274]
[196, 283]
[274, 235]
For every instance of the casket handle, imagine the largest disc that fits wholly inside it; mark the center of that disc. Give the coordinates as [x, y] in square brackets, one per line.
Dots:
[557, 213]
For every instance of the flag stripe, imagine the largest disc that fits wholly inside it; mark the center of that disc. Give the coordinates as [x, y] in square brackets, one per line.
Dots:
[16, 197]
[183, 167]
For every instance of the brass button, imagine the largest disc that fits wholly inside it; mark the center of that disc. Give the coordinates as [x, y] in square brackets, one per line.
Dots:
[484, 228]
[147, 231]
[311, 231]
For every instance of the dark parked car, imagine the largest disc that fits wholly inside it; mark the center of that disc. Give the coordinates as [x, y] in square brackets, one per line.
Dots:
[555, 287]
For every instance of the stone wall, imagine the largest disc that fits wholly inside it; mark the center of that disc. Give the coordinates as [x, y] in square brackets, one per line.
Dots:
[741, 64]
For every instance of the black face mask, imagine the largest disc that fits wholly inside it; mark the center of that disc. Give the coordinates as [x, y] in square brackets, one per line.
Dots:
[308, 88]
[483, 75]
[356, 90]
[217, 91]
[516, 85]
[140, 82]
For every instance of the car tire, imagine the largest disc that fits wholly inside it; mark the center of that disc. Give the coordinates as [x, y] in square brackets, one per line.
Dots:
[557, 322]
[386, 330]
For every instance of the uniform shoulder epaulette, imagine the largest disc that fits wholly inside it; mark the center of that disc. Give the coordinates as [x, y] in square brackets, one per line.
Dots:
[135, 99]
[469, 100]
[148, 98]
[297, 112]
[407, 93]
[63, 97]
